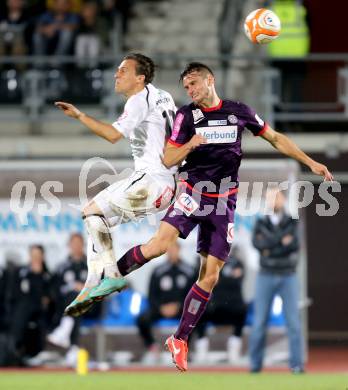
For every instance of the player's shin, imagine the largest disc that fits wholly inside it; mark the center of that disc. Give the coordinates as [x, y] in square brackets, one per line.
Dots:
[98, 230]
[94, 265]
[131, 260]
[196, 302]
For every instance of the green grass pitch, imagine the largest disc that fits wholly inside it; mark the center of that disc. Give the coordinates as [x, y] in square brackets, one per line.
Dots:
[171, 381]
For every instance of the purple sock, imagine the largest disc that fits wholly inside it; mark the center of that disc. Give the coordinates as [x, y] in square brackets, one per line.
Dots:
[194, 306]
[131, 260]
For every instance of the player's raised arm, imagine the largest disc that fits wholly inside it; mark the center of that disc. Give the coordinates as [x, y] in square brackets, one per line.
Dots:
[104, 130]
[286, 146]
[174, 155]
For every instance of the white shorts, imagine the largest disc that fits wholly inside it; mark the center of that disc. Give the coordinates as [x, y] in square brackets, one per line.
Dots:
[135, 197]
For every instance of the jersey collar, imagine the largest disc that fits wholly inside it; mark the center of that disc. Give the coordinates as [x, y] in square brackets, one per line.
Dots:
[207, 109]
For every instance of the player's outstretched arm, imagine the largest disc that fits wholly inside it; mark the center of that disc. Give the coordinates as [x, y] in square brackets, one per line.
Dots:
[286, 146]
[104, 130]
[174, 155]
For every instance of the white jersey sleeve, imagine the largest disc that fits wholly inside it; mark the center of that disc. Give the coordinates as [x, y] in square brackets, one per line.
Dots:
[135, 111]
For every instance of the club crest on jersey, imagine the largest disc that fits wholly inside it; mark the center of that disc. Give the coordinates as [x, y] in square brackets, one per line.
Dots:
[197, 115]
[186, 204]
[232, 119]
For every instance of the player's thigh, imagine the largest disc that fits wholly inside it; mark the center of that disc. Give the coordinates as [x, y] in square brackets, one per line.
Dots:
[165, 236]
[213, 240]
[166, 232]
[111, 201]
[183, 223]
[216, 231]
[134, 197]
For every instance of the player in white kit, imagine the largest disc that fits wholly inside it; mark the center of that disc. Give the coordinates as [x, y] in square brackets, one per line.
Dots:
[147, 122]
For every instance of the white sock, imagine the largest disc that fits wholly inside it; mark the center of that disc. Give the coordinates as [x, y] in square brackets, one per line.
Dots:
[94, 265]
[110, 265]
[103, 258]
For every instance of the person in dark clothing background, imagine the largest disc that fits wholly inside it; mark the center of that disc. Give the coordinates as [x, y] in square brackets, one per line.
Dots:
[276, 238]
[8, 278]
[31, 297]
[3, 296]
[169, 285]
[227, 307]
[69, 281]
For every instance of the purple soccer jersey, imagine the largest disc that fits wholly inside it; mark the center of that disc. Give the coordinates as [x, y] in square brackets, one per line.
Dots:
[222, 126]
[213, 162]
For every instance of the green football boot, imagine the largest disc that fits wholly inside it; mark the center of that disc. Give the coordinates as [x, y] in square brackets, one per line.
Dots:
[108, 286]
[81, 304]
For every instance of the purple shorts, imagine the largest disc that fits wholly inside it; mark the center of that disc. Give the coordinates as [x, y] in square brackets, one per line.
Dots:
[214, 217]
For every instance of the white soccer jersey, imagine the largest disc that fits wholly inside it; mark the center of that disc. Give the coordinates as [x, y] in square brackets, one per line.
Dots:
[147, 121]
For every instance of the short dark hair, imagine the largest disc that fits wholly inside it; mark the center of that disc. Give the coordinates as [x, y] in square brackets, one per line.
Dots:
[145, 66]
[195, 67]
[39, 247]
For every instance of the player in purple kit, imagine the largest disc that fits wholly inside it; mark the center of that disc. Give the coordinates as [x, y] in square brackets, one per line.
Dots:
[207, 134]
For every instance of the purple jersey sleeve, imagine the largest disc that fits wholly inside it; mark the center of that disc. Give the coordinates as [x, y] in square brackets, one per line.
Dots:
[182, 131]
[253, 122]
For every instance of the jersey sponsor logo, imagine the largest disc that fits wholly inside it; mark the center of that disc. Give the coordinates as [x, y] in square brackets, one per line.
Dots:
[259, 120]
[197, 116]
[177, 125]
[186, 204]
[218, 134]
[162, 100]
[232, 119]
[221, 122]
[230, 232]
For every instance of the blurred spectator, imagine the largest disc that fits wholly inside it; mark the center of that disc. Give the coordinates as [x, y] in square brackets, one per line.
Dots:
[55, 30]
[3, 318]
[31, 298]
[75, 5]
[293, 42]
[226, 307]
[92, 34]
[8, 274]
[169, 285]
[228, 26]
[70, 279]
[8, 280]
[3, 298]
[276, 238]
[13, 22]
[117, 11]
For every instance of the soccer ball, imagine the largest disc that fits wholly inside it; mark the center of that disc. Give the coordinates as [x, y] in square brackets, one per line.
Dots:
[262, 26]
